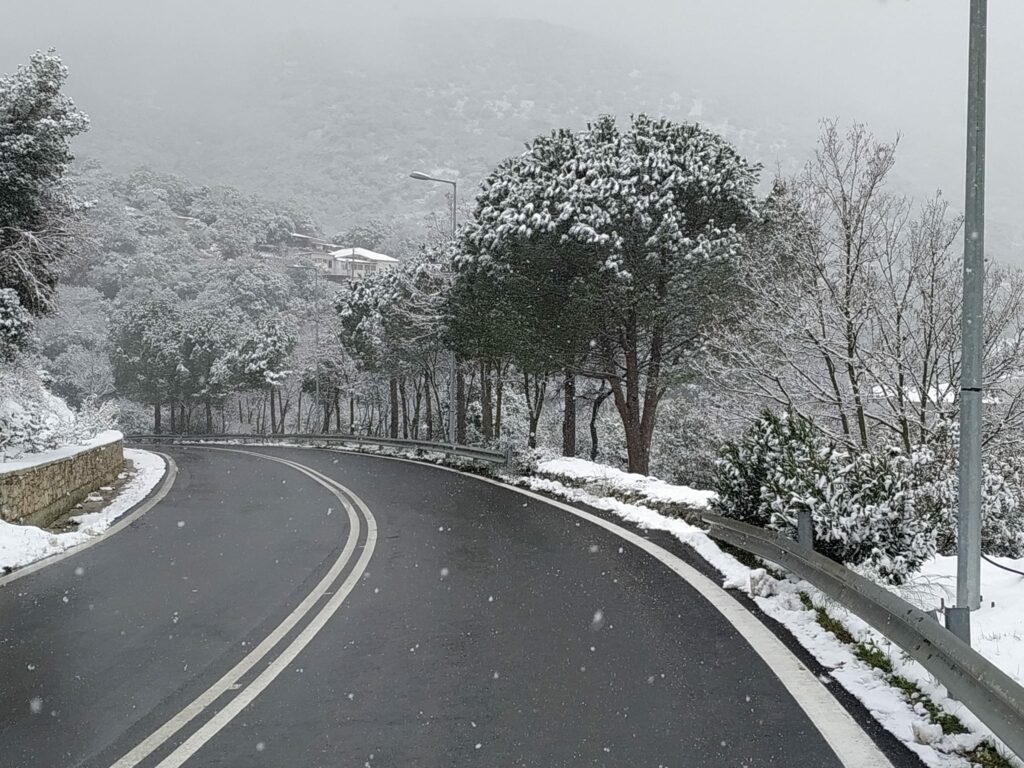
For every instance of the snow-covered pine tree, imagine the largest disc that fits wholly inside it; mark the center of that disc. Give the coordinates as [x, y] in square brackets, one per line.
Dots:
[611, 251]
[37, 122]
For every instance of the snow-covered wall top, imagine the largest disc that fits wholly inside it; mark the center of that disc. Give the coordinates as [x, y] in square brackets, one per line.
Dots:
[27, 460]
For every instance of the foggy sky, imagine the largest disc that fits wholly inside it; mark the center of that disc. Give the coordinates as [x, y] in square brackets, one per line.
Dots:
[899, 65]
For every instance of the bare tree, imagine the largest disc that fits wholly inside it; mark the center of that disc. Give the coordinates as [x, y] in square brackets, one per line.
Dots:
[855, 306]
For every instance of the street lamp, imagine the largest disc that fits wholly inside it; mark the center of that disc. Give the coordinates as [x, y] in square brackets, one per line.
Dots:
[452, 435]
[968, 545]
[316, 325]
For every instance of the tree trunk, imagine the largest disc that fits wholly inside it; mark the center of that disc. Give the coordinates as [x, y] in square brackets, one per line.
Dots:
[428, 402]
[393, 407]
[404, 399]
[638, 417]
[174, 425]
[209, 417]
[273, 413]
[569, 416]
[156, 418]
[351, 413]
[337, 410]
[460, 399]
[499, 392]
[534, 404]
[283, 409]
[594, 410]
[325, 425]
[486, 401]
[417, 405]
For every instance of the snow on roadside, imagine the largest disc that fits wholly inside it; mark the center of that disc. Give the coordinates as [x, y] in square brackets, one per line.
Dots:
[998, 626]
[654, 489]
[1002, 636]
[24, 544]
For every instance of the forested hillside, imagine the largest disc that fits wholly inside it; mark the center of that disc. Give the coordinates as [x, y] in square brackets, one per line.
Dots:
[338, 121]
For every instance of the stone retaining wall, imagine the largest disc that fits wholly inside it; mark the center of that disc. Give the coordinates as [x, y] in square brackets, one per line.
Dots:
[39, 495]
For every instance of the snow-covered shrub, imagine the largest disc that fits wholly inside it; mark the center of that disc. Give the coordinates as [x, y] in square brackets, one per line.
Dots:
[130, 416]
[862, 504]
[15, 325]
[870, 515]
[32, 419]
[686, 439]
[744, 467]
[936, 469]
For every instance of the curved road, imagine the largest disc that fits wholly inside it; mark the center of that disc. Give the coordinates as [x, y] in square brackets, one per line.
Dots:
[262, 615]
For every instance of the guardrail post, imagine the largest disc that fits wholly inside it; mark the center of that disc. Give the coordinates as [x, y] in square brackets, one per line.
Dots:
[804, 529]
[958, 621]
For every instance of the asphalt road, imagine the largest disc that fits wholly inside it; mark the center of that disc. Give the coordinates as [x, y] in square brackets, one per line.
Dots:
[472, 627]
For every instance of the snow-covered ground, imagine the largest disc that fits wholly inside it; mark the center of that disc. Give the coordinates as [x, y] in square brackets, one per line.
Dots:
[649, 487]
[998, 629]
[24, 544]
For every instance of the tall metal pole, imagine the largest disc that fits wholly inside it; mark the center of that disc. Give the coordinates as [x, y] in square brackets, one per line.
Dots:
[452, 362]
[968, 572]
[453, 365]
[316, 339]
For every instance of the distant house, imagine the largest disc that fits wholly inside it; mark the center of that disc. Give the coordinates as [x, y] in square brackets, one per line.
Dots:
[354, 263]
[310, 243]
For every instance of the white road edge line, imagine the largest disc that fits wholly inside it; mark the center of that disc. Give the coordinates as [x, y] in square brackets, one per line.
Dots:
[159, 737]
[851, 744]
[122, 522]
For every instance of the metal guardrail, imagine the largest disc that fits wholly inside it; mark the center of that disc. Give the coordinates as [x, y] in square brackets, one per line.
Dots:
[992, 695]
[473, 453]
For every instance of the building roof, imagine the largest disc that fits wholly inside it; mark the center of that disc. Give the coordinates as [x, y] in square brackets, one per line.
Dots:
[361, 254]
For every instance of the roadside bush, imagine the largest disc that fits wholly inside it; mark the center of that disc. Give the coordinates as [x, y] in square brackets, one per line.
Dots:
[862, 504]
[32, 419]
[936, 470]
[687, 439]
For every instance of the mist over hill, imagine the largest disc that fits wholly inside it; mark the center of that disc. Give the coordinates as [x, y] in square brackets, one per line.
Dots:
[331, 108]
[338, 122]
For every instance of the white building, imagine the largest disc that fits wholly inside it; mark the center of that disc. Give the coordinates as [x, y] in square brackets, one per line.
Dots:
[354, 263]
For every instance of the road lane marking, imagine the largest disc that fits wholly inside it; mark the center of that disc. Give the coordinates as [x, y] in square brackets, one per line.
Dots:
[122, 522]
[850, 743]
[167, 731]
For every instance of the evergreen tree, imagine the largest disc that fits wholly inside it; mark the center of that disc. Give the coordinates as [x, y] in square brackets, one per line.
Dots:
[614, 252]
[36, 123]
